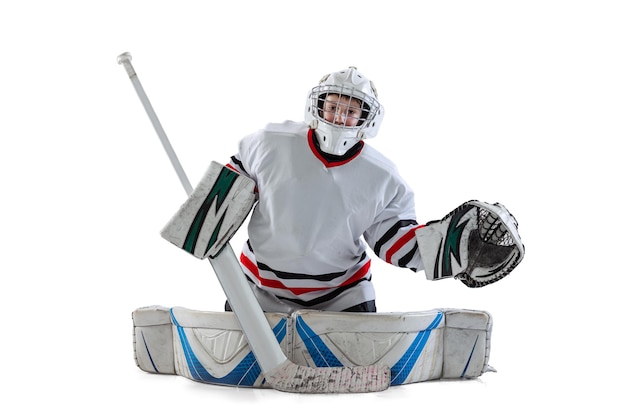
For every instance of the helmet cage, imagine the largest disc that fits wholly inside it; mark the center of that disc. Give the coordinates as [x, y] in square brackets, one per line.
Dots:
[366, 104]
[338, 132]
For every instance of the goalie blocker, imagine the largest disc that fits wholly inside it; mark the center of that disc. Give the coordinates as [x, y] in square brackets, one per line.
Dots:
[212, 214]
[477, 243]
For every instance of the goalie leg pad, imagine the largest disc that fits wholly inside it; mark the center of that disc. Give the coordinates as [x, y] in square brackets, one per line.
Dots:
[416, 346]
[467, 343]
[410, 344]
[477, 243]
[209, 347]
[152, 340]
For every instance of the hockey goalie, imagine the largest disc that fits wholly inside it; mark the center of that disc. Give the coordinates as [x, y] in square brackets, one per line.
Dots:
[317, 197]
[323, 195]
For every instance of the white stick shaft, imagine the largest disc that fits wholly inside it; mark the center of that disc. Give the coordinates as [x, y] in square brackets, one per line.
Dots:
[124, 59]
[249, 314]
[227, 268]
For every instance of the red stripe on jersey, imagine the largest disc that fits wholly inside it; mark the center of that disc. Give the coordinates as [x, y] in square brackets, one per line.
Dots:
[277, 284]
[400, 243]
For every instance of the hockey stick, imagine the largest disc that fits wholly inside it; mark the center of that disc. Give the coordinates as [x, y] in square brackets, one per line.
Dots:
[279, 372]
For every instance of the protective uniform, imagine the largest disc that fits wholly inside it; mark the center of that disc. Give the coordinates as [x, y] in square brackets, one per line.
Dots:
[323, 194]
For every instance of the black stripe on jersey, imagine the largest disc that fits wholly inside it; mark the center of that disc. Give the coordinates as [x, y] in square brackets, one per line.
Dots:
[290, 276]
[239, 165]
[391, 232]
[326, 297]
[402, 262]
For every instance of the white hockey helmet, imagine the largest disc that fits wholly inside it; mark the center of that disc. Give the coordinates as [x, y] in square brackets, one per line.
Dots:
[349, 87]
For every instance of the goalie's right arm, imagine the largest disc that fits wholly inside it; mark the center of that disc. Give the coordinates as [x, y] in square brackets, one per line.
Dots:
[477, 243]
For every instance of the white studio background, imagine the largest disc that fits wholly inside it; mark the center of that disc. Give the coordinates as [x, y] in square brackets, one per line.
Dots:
[517, 102]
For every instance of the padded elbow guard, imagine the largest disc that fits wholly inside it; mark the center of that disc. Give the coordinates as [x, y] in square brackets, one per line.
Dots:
[477, 243]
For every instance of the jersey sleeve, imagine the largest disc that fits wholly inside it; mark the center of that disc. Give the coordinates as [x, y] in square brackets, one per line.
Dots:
[241, 160]
[392, 236]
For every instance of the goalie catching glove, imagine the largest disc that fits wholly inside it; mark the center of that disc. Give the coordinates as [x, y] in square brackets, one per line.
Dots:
[477, 243]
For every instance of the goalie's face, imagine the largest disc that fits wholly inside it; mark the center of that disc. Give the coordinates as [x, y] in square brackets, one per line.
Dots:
[341, 110]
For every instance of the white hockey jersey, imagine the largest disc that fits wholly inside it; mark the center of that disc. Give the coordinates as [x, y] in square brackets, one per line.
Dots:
[315, 213]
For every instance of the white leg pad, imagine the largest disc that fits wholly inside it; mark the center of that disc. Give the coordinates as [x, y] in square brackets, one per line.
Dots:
[411, 344]
[466, 343]
[417, 346]
[207, 347]
[210, 347]
[153, 340]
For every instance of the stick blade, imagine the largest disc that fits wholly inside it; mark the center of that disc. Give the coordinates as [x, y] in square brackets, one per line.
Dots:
[290, 377]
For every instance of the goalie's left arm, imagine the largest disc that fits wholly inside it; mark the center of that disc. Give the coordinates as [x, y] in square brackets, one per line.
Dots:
[477, 243]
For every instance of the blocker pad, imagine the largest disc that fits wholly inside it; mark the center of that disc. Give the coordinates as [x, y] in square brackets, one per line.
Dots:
[212, 213]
